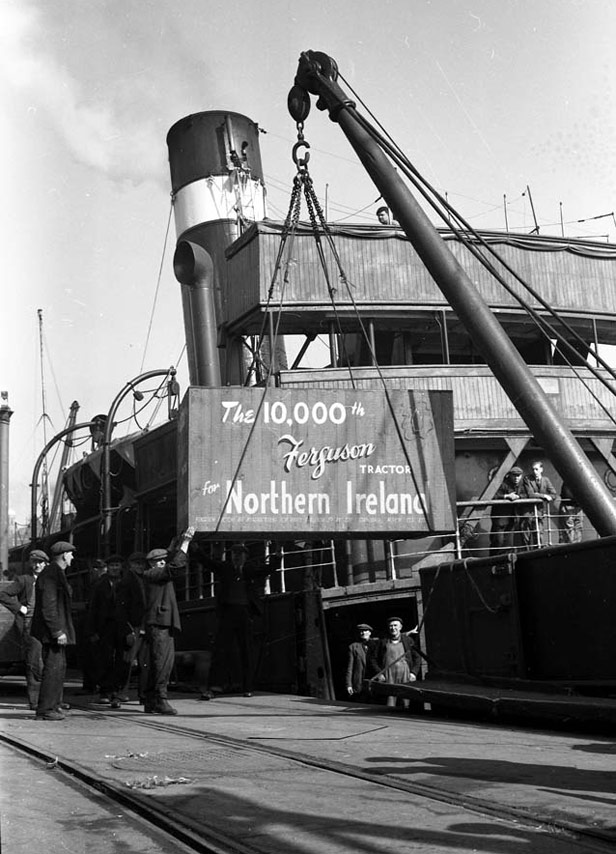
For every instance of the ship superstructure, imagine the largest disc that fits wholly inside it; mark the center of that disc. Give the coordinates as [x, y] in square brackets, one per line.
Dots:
[247, 282]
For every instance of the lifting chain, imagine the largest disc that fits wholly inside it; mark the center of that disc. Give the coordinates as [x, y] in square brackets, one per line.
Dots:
[300, 162]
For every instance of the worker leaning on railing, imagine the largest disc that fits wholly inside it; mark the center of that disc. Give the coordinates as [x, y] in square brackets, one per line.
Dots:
[506, 519]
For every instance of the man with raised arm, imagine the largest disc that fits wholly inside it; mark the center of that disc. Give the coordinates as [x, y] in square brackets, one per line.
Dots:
[162, 621]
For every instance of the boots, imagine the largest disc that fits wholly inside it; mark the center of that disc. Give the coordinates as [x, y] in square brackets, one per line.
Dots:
[162, 707]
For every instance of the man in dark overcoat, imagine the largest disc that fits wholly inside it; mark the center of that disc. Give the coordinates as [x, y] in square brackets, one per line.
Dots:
[52, 624]
[360, 662]
[162, 622]
[107, 631]
[19, 597]
[238, 599]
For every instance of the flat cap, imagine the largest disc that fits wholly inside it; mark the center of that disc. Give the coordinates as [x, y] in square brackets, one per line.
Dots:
[157, 554]
[364, 627]
[115, 559]
[137, 556]
[516, 470]
[395, 620]
[60, 548]
[37, 554]
[99, 563]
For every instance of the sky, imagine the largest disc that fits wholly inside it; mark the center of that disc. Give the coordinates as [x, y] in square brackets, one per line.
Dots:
[486, 98]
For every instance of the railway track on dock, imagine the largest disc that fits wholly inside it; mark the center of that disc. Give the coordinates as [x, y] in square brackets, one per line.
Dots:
[201, 835]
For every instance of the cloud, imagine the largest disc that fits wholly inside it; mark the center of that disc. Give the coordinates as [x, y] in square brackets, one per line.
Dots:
[97, 133]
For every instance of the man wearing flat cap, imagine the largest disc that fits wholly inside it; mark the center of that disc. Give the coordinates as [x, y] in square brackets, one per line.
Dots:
[162, 622]
[239, 584]
[107, 631]
[19, 597]
[359, 662]
[506, 518]
[52, 625]
[396, 658]
[133, 608]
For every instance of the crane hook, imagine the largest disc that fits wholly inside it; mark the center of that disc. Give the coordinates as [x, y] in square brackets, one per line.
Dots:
[301, 162]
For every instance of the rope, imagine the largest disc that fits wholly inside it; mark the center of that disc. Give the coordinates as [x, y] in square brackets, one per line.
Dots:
[160, 273]
[315, 212]
[446, 211]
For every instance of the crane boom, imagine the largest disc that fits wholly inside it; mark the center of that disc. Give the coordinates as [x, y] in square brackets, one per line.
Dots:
[317, 74]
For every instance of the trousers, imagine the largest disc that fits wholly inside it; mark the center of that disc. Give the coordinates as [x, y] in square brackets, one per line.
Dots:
[52, 680]
[33, 663]
[159, 657]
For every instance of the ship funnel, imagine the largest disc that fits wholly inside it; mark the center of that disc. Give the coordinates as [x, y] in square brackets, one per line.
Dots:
[218, 191]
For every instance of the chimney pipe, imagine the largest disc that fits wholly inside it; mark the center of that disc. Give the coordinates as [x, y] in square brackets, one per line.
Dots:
[194, 270]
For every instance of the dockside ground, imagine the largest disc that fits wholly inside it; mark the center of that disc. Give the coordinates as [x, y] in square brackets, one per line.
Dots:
[286, 773]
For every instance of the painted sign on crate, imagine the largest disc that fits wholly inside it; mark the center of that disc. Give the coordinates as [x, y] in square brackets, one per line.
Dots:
[316, 462]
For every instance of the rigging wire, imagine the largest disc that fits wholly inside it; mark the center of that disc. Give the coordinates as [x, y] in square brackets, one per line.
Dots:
[292, 219]
[53, 373]
[160, 273]
[316, 213]
[303, 183]
[44, 417]
[446, 211]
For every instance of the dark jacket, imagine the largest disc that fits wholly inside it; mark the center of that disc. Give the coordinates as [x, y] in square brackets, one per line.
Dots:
[505, 516]
[411, 654]
[101, 614]
[241, 589]
[116, 604]
[52, 608]
[568, 502]
[360, 664]
[19, 592]
[130, 601]
[161, 607]
[537, 489]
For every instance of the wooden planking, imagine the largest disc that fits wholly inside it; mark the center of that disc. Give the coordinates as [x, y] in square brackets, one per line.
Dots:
[278, 461]
[479, 400]
[386, 271]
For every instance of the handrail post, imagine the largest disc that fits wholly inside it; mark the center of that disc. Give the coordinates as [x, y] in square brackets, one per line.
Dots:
[37, 468]
[106, 508]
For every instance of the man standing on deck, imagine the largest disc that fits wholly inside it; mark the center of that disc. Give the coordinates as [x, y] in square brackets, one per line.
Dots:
[19, 597]
[162, 622]
[570, 519]
[536, 485]
[506, 519]
[52, 625]
[383, 215]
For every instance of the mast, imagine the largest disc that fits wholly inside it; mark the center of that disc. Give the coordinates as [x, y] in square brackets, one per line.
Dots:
[5, 417]
[57, 493]
[44, 416]
[532, 208]
[317, 74]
